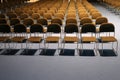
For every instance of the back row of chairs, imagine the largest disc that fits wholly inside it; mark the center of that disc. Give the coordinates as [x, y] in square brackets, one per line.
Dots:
[87, 34]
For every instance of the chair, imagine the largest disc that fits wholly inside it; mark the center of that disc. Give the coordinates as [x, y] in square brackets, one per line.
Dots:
[71, 15]
[19, 34]
[3, 21]
[82, 15]
[12, 15]
[14, 21]
[56, 20]
[2, 16]
[85, 20]
[35, 31]
[88, 35]
[4, 31]
[43, 21]
[28, 22]
[101, 20]
[59, 15]
[95, 15]
[50, 37]
[109, 37]
[71, 20]
[70, 29]
[35, 16]
[23, 16]
[48, 16]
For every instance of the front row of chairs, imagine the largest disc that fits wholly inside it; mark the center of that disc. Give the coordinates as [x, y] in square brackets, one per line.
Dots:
[71, 34]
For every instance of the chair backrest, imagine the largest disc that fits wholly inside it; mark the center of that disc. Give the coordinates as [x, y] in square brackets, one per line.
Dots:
[85, 20]
[23, 16]
[71, 20]
[42, 21]
[71, 28]
[48, 16]
[14, 21]
[101, 20]
[3, 21]
[56, 20]
[28, 21]
[107, 27]
[5, 28]
[2, 16]
[88, 27]
[35, 16]
[36, 28]
[55, 28]
[12, 15]
[19, 28]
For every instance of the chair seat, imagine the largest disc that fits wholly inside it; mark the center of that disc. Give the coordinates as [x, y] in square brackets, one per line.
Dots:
[71, 39]
[108, 39]
[3, 38]
[52, 39]
[35, 39]
[18, 39]
[44, 30]
[89, 39]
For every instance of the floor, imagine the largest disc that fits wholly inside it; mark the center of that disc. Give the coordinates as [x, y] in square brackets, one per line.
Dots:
[20, 67]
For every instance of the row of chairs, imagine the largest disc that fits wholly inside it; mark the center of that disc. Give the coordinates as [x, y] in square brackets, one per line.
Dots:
[113, 6]
[55, 11]
[87, 34]
[44, 22]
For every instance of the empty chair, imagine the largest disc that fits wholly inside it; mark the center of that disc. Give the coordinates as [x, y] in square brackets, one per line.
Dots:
[4, 31]
[14, 21]
[56, 20]
[71, 29]
[30, 12]
[71, 15]
[2, 16]
[35, 31]
[96, 15]
[82, 15]
[3, 21]
[71, 20]
[23, 16]
[28, 22]
[48, 16]
[85, 20]
[59, 15]
[43, 21]
[35, 16]
[50, 37]
[12, 15]
[19, 35]
[89, 29]
[109, 37]
[100, 20]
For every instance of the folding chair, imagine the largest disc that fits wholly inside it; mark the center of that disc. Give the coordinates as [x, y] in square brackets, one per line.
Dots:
[28, 22]
[3, 21]
[109, 30]
[53, 34]
[56, 20]
[71, 20]
[88, 35]
[19, 35]
[35, 34]
[5, 34]
[14, 21]
[71, 29]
